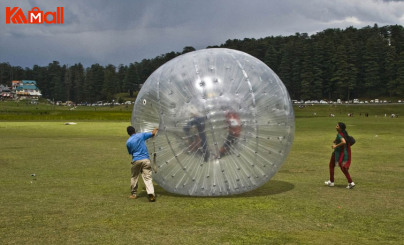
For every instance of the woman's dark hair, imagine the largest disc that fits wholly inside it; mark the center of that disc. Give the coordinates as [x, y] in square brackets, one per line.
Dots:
[342, 126]
[131, 130]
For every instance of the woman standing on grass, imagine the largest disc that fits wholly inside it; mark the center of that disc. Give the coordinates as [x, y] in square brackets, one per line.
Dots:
[341, 155]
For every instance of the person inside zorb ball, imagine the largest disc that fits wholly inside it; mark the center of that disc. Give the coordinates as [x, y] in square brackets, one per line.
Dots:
[226, 122]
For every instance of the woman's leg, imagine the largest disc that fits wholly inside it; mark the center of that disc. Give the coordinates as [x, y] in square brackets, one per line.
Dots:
[332, 166]
[344, 169]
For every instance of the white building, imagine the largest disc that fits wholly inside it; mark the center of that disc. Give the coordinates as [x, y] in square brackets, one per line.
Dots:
[26, 88]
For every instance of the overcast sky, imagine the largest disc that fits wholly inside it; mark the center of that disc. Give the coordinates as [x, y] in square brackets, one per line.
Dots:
[126, 31]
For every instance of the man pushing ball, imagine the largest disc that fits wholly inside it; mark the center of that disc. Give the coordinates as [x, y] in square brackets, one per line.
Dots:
[136, 145]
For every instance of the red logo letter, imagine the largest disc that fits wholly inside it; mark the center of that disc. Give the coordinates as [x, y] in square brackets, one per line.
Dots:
[35, 16]
[57, 17]
[15, 15]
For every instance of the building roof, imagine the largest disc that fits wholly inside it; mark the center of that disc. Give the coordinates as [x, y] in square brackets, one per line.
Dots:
[27, 86]
[28, 82]
[4, 88]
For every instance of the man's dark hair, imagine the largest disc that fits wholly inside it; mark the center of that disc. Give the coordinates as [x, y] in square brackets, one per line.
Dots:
[131, 130]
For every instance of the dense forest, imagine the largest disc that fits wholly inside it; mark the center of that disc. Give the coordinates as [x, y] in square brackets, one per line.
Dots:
[334, 63]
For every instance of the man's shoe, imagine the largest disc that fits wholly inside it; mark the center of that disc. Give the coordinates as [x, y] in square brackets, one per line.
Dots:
[329, 183]
[152, 198]
[351, 185]
[132, 197]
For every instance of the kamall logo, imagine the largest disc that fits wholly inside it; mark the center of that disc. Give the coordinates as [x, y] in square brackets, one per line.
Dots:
[35, 16]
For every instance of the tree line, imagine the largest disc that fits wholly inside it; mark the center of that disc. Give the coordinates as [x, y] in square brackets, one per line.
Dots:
[332, 64]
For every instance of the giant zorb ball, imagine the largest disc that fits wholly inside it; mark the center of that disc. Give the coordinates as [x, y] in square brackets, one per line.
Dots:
[225, 119]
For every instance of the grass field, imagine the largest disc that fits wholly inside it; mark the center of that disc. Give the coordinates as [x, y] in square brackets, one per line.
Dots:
[79, 194]
[24, 111]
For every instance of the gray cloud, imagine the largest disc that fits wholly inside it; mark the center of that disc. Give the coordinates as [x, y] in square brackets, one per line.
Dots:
[120, 32]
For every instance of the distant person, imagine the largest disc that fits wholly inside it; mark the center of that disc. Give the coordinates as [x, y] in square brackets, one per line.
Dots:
[341, 156]
[136, 145]
[234, 124]
[197, 143]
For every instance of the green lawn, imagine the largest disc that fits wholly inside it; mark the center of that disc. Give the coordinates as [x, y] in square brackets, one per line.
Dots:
[80, 194]
[24, 111]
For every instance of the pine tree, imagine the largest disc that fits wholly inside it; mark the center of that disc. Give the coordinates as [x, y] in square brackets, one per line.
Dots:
[400, 75]
[109, 84]
[93, 83]
[68, 82]
[391, 71]
[132, 79]
[307, 73]
[78, 79]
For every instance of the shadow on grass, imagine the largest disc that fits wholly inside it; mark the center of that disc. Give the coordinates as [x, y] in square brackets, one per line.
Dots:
[273, 187]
